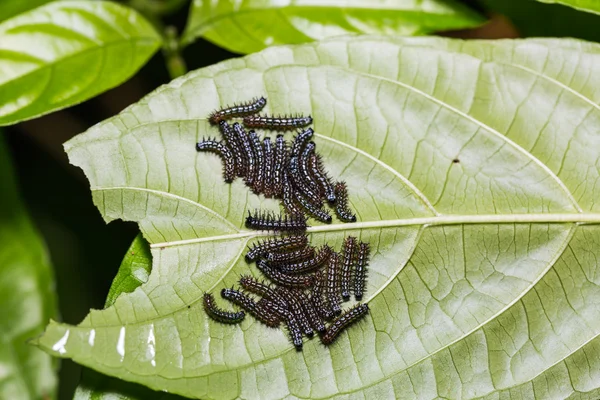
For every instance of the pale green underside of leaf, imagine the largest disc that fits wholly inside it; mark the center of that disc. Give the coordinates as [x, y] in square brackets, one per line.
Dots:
[27, 297]
[484, 280]
[592, 6]
[250, 26]
[66, 52]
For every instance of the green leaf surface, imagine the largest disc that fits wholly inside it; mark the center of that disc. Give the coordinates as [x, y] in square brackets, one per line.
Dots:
[10, 8]
[475, 172]
[66, 52]
[27, 297]
[250, 26]
[592, 6]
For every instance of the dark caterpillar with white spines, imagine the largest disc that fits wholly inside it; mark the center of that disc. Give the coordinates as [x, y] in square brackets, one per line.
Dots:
[220, 315]
[238, 110]
[267, 221]
[278, 123]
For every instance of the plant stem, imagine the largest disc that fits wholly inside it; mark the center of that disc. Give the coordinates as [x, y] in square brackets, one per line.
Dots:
[172, 52]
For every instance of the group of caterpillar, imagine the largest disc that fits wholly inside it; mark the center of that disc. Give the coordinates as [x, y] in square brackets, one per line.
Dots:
[292, 172]
[307, 286]
[306, 289]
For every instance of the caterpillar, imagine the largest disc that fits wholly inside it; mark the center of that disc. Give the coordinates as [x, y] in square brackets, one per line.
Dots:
[248, 304]
[283, 243]
[259, 169]
[246, 149]
[269, 161]
[311, 209]
[344, 321]
[295, 307]
[290, 320]
[301, 140]
[332, 289]
[224, 152]
[315, 166]
[238, 110]
[316, 296]
[279, 123]
[348, 251]
[220, 315]
[232, 141]
[300, 281]
[296, 180]
[277, 258]
[310, 311]
[308, 265]
[261, 289]
[279, 165]
[288, 197]
[271, 222]
[303, 162]
[360, 274]
[341, 206]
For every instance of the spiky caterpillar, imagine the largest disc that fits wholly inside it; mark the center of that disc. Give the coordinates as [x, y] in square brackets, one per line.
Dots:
[317, 171]
[220, 315]
[233, 142]
[343, 321]
[348, 254]
[341, 204]
[278, 277]
[316, 296]
[280, 244]
[332, 288]
[360, 273]
[224, 152]
[311, 264]
[277, 123]
[295, 306]
[269, 222]
[248, 304]
[285, 257]
[286, 315]
[238, 110]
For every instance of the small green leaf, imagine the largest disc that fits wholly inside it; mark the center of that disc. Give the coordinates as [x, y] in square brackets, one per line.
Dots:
[134, 270]
[66, 52]
[249, 26]
[592, 6]
[473, 167]
[10, 8]
[27, 297]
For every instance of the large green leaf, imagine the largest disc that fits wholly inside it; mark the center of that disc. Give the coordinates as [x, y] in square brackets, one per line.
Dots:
[474, 169]
[27, 297]
[249, 26]
[592, 6]
[66, 52]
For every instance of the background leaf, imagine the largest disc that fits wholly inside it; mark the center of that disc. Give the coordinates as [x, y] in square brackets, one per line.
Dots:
[11, 8]
[534, 19]
[27, 298]
[473, 167]
[249, 26]
[65, 52]
[592, 6]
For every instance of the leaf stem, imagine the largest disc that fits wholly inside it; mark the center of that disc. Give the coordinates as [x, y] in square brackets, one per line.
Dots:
[172, 52]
